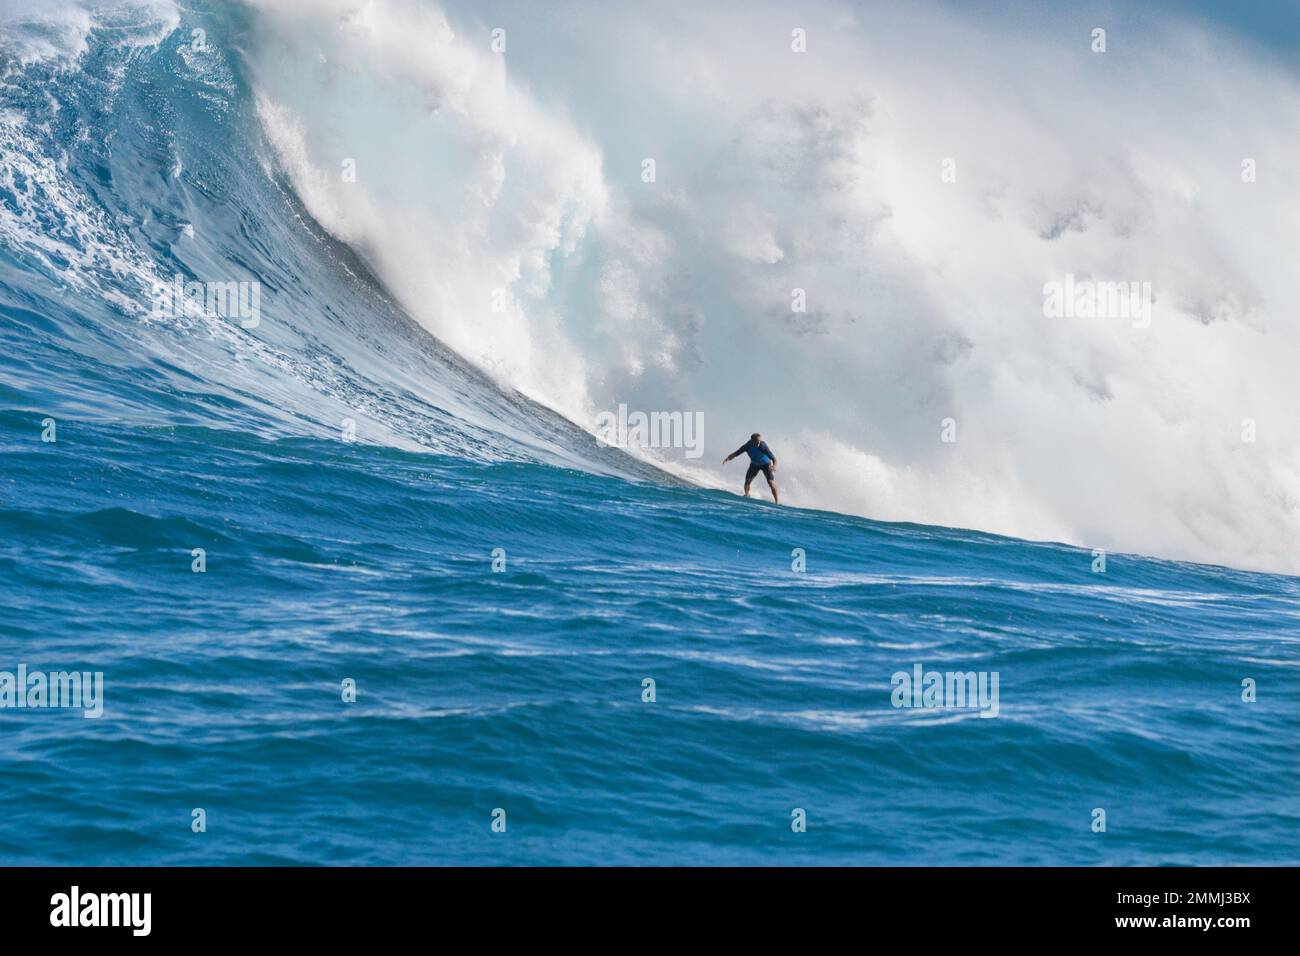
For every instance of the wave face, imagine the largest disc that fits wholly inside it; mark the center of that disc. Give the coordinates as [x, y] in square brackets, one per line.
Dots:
[349, 478]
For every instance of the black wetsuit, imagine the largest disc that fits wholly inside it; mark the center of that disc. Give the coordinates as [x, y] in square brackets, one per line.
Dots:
[760, 459]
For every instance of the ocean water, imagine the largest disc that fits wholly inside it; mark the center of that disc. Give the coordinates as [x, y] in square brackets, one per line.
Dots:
[499, 588]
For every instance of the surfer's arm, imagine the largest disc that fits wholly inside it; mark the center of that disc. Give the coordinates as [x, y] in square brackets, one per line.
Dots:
[738, 451]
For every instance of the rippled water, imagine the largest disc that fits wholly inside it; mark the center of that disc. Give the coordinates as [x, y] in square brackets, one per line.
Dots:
[522, 689]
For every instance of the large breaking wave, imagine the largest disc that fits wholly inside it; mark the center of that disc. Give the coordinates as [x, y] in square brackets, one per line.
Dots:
[490, 174]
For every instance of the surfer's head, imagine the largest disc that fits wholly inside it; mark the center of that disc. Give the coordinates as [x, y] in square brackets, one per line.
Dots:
[754, 437]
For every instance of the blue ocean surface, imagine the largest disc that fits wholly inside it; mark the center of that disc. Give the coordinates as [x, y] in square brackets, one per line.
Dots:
[541, 631]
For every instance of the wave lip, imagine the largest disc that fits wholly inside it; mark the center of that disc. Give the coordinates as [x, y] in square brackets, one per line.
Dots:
[40, 32]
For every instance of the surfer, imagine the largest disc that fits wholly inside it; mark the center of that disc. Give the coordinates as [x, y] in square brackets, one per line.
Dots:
[760, 459]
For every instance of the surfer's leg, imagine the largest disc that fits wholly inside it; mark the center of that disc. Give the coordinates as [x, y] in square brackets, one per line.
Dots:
[771, 482]
[749, 477]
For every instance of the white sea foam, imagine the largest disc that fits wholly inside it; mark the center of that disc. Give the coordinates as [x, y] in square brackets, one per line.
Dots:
[59, 31]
